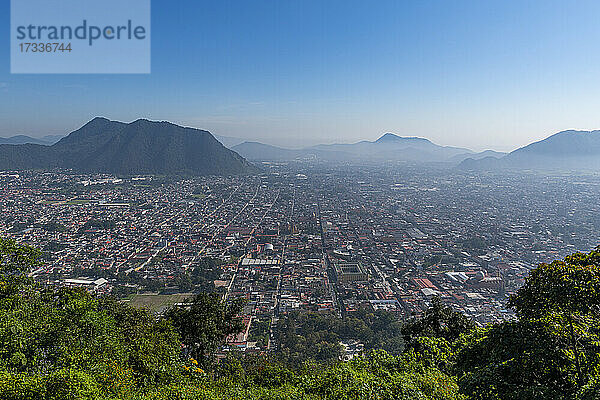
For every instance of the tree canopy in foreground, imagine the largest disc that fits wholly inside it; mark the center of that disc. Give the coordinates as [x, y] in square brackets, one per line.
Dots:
[67, 344]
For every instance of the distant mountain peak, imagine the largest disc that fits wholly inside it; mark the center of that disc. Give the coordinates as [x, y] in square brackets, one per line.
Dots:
[595, 131]
[389, 137]
[145, 121]
[569, 142]
[22, 139]
[568, 150]
[98, 120]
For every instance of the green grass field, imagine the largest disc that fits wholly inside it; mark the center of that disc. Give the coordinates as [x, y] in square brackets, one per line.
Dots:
[77, 202]
[156, 302]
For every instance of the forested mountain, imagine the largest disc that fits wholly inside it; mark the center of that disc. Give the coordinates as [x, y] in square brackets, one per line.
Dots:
[140, 147]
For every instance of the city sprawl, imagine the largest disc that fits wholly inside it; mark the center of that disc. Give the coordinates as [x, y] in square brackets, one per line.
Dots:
[329, 239]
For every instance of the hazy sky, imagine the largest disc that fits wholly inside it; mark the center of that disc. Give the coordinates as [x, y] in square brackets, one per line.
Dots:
[480, 74]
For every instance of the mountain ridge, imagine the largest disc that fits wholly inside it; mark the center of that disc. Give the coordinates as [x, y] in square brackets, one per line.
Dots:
[388, 147]
[565, 150]
[47, 140]
[145, 146]
[141, 146]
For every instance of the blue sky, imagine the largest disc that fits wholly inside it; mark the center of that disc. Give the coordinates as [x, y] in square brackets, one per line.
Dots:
[481, 74]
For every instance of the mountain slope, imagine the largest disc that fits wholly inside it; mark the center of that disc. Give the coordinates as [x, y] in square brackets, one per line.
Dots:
[22, 139]
[51, 139]
[388, 147]
[142, 146]
[261, 151]
[391, 147]
[564, 150]
[569, 143]
[478, 156]
[229, 141]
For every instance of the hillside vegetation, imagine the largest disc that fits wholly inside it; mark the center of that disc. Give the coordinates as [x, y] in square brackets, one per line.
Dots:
[139, 147]
[68, 344]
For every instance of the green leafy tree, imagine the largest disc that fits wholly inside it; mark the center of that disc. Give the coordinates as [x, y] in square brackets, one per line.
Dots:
[520, 360]
[205, 324]
[552, 350]
[570, 286]
[569, 290]
[15, 260]
[438, 321]
[69, 341]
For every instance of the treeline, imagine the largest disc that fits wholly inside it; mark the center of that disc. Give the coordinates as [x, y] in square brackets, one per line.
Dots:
[315, 336]
[68, 344]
